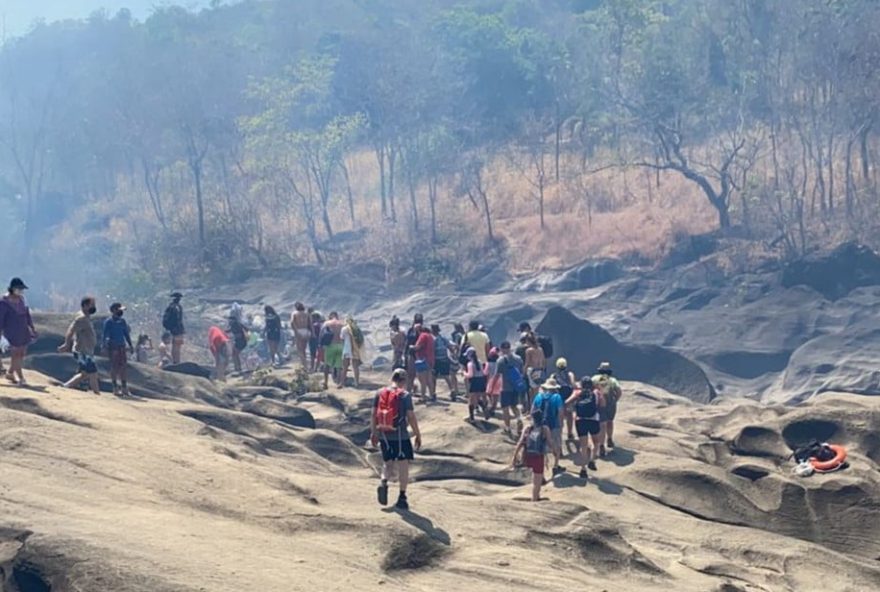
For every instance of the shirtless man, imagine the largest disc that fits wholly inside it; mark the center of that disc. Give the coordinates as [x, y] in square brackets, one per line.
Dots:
[333, 351]
[302, 331]
[398, 344]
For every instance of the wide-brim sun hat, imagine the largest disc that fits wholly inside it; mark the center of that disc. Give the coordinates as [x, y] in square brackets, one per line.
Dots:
[562, 363]
[550, 384]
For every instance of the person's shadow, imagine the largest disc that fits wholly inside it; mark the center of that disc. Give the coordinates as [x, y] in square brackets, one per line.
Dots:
[622, 457]
[422, 523]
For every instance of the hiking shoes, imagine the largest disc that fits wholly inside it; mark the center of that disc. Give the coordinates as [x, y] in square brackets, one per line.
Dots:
[583, 473]
[592, 466]
[402, 503]
[610, 443]
[382, 494]
[558, 470]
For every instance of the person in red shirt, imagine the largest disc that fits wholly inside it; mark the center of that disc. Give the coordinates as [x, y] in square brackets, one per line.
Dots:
[424, 365]
[218, 343]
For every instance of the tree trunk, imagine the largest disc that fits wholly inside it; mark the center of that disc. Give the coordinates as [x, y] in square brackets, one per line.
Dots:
[488, 215]
[196, 167]
[432, 198]
[349, 193]
[380, 157]
[541, 196]
[392, 158]
[558, 141]
[865, 156]
[413, 201]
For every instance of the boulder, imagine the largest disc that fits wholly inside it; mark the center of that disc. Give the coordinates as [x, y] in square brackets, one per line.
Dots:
[585, 345]
[835, 274]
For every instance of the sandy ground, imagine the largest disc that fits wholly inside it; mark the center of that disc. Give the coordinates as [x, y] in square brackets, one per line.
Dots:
[180, 495]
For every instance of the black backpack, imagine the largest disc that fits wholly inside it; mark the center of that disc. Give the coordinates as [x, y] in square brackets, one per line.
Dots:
[566, 388]
[586, 406]
[169, 319]
[326, 336]
[547, 345]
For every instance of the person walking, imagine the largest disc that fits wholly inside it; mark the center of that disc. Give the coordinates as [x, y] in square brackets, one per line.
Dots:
[550, 404]
[477, 339]
[586, 403]
[533, 446]
[443, 350]
[301, 323]
[397, 338]
[82, 340]
[17, 326]
[607, 384]
[315, 348]
[412, 335]
[536, 363]
[117, 344]
[513, 386]
[393, 415]
[424, 354]
[567, 381]
[172, 321]
[331, 341]
[239, 334]
[218, 343]
[352, 342]
[475, 378]
[273, 335]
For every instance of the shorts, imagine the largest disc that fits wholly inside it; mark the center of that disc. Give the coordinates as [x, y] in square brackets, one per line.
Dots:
[177, 340]
[534, 462]
[273, 337]
[509, 399]
[118, 358]
[422, 366]
[477, 384]
[556, 438]
[85, 364]
[442, 368]
[536, 377]
[493, 387]
[333, 355]
[303, 334]
[394, 449]
[608, 412]
[313, 346]
[587, 427]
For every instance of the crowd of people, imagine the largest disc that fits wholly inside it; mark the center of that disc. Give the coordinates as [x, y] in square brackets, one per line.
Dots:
[523, 381]
[517, 379]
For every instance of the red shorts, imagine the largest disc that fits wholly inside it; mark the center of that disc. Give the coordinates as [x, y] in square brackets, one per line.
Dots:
[494, 386]
[534, 462]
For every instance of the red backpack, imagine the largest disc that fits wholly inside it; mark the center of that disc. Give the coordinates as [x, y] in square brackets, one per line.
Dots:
[388, 409]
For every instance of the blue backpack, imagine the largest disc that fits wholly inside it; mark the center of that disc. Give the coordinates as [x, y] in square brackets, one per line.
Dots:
[516, 378]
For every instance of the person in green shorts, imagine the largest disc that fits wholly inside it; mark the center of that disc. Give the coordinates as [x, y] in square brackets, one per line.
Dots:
[332, 333]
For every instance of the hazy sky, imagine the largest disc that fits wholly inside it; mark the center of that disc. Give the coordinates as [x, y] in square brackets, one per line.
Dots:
[18, 15]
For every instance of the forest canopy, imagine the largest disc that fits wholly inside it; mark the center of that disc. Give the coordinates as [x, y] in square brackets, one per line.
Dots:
[271, 133]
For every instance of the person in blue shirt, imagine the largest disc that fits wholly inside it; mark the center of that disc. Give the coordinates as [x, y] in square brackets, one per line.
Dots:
[550, 403]
[117, 343]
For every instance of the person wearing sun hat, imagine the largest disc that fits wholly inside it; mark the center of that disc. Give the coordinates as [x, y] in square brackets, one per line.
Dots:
[549, 402]
[117, 343]
[17, 327]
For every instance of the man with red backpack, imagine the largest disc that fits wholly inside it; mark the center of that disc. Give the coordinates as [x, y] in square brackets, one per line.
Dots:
[393, 413]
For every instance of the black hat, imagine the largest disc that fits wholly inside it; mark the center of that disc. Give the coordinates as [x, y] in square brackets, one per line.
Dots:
[17, 284]
[176, 295]
[116, 306]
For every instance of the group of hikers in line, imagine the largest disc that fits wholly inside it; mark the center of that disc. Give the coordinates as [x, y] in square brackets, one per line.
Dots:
[516, 379]
[331, 346]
